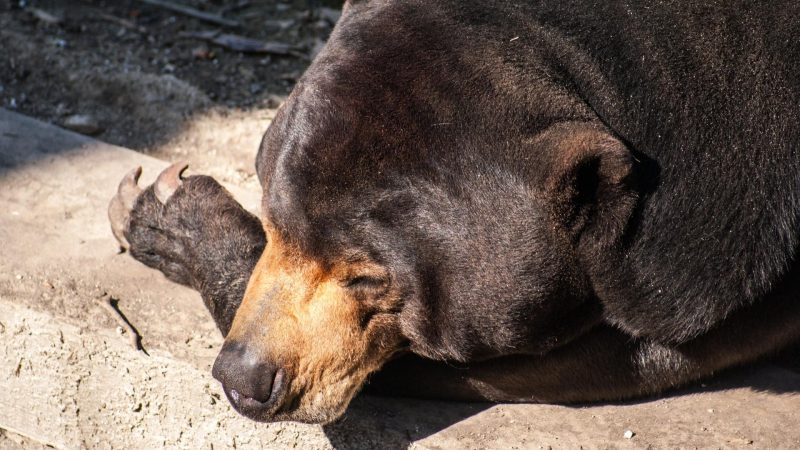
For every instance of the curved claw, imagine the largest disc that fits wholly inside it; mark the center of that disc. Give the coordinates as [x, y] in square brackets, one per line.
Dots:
[169, 181]
[121, 204]
[128, 188]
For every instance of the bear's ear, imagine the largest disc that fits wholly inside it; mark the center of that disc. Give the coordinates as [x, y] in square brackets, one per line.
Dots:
[590, 181]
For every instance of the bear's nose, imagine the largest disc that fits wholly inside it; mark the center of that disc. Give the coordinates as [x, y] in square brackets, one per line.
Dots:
[250, 383]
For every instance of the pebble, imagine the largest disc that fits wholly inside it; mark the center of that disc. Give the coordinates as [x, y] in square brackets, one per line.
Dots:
[255, 88]
[628, 434]
[83, 124]
[203, 52]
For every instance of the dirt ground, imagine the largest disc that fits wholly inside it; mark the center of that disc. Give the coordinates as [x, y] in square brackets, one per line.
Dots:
[137, 76]
[146, 84]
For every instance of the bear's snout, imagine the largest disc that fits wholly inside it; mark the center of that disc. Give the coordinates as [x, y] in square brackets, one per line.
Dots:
[302, 342]
[255, 387]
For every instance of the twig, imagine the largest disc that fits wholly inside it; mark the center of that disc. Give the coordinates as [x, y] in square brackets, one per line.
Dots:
[191, 12]
[111, 306]
[121, 22]
[236, 7]
[45, 16]
[243, 44]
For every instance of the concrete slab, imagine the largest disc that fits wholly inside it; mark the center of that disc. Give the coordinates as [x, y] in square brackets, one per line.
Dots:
[70, 380]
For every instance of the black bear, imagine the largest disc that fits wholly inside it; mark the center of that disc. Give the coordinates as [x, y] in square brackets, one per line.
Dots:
[523, 201]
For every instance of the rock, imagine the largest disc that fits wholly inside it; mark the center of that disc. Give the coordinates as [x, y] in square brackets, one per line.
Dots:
[274, 101]
[255, 88]
[83, 124]
[628, 434]
[203, 52]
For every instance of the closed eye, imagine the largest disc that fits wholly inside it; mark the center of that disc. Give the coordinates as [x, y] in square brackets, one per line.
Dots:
[366, 281]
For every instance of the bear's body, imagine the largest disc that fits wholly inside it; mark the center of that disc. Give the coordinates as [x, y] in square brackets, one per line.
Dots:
[576, 200]
[708, 99]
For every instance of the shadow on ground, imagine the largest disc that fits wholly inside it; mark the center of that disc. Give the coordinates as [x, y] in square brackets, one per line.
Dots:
[401, 421]
[398, 421]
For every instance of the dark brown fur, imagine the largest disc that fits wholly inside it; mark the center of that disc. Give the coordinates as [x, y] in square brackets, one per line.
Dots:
[570, 201]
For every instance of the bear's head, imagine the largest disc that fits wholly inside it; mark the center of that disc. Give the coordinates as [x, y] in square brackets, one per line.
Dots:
[414, 203]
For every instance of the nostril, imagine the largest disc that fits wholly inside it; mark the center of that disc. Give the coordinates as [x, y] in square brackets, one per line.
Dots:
[246, 379]
[261, 378]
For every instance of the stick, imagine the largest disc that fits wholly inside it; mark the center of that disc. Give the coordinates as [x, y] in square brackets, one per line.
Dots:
[45, 16]
[241, 5]
[111, 306]
[191, 12]
[242, 44]
[121, 22]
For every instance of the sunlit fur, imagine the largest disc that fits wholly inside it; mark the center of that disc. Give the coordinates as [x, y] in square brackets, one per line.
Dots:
[298, 313]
